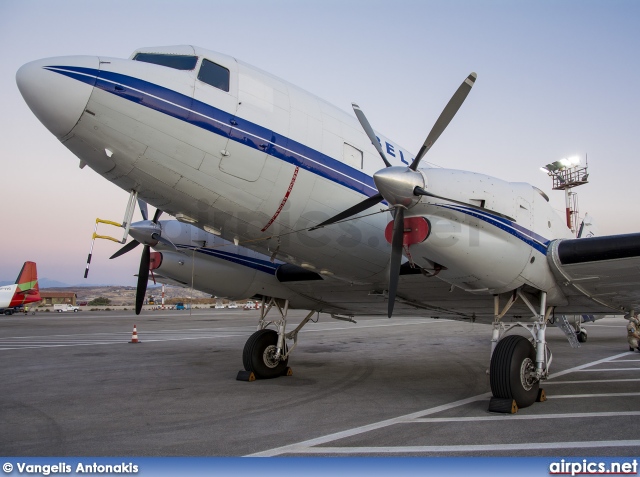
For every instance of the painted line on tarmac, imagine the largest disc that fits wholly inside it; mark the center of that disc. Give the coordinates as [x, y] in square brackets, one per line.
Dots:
[579, 396]
[309, 446]
[467, 448]
[591, 381]
[156, 336]
[94, 343]
[606, 369]
[523, 417]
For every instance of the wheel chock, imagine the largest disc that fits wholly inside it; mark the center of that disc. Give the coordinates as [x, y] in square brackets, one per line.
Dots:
[503, 405]
[287, 371]
[246, 376]
[542, 396]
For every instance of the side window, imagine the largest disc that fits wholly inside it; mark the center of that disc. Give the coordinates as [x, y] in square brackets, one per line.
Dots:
[352, 156]
[214, 74]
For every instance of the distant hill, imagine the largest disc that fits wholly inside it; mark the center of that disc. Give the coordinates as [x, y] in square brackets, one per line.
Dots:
[48, 283]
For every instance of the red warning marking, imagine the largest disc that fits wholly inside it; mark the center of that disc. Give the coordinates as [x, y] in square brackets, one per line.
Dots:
[284, 200]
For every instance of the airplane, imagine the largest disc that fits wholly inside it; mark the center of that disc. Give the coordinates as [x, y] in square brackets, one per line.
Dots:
[351, 222]
[23, 292]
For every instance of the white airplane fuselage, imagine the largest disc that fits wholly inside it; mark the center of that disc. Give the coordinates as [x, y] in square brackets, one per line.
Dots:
[265, 161]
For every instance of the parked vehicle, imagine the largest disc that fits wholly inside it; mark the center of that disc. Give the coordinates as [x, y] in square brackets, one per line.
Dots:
[65, 307]
[182, 306]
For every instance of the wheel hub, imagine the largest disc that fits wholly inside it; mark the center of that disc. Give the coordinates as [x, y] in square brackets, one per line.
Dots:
[269, 356]
[528, 374]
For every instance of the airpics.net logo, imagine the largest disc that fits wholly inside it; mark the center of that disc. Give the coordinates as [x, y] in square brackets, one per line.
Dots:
[586, 467]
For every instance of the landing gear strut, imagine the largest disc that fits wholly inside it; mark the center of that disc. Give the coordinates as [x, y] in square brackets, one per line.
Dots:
[266, 353]
[517, 363]
[581, 333]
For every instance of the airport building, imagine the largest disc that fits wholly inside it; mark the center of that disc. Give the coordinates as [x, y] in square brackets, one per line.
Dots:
[54, 298]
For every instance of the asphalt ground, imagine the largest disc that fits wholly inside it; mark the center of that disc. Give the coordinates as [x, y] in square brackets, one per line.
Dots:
[73, 385]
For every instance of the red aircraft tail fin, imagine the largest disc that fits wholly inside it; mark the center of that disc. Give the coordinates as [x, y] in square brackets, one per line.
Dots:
[28, 280]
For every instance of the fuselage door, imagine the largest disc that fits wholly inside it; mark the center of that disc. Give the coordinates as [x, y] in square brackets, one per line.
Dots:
[214, 106]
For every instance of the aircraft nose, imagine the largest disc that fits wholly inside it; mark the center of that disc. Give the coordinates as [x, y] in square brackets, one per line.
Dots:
[57, 90]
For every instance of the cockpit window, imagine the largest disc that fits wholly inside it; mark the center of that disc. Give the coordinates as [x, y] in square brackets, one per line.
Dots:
[178, 62]
[214, 74]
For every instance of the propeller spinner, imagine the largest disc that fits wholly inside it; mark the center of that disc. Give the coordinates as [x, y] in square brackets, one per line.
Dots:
[149, 233]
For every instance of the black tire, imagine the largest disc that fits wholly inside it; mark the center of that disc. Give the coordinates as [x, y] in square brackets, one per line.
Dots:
[582, 337]
[512, 353]
[7, 312]
[255, 353]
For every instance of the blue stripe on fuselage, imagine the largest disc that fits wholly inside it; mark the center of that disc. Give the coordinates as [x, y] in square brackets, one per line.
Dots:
[255, 263]
[529, 237]
[217, 121]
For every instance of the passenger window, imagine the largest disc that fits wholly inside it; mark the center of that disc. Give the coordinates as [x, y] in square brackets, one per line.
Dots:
[214, 74]
[178, 62]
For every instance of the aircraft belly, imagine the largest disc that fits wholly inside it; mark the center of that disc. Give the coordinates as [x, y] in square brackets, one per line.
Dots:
[355, 248]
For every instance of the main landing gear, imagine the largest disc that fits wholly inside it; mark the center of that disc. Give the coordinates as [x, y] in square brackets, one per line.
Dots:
[266, 353]
[518, 364]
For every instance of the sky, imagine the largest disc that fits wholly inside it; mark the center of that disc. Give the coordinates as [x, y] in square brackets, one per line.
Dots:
[555, 79]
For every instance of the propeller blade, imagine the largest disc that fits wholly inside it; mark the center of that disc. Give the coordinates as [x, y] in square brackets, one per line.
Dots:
[127, 248]
[156, 216]
[161, 239]
[396, 257]
[421, 191]
[144, 211]
[356, 209]
[143, 278]
[369, 130]
[445, 118]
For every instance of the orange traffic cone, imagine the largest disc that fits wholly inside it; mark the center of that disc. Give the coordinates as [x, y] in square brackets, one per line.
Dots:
[134, 335]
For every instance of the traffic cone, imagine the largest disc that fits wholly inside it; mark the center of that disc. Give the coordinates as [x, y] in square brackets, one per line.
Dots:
[134, 335]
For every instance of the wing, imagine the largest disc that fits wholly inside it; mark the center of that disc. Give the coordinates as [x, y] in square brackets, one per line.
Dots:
[418, 295]
[598, 274]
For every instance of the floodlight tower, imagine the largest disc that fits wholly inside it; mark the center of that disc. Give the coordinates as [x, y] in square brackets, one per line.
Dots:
[568, 173]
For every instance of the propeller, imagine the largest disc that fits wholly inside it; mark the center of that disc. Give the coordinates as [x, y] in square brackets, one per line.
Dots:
[149, 233]
[401, 187]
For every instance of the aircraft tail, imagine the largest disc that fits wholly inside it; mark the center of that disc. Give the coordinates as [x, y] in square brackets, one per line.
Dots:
[27, 282]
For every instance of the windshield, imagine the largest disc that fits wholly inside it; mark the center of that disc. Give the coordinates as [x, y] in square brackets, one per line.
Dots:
[178, 62]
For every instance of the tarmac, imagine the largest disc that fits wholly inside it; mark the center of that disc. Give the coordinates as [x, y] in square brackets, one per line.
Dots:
[73, 385]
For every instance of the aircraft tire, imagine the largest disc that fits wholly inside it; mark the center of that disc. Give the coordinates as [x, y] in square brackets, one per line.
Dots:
[582, 336]
[255, 356]
[513, 359]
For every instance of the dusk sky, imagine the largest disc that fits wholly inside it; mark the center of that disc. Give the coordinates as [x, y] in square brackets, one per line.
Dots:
[555, 79]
